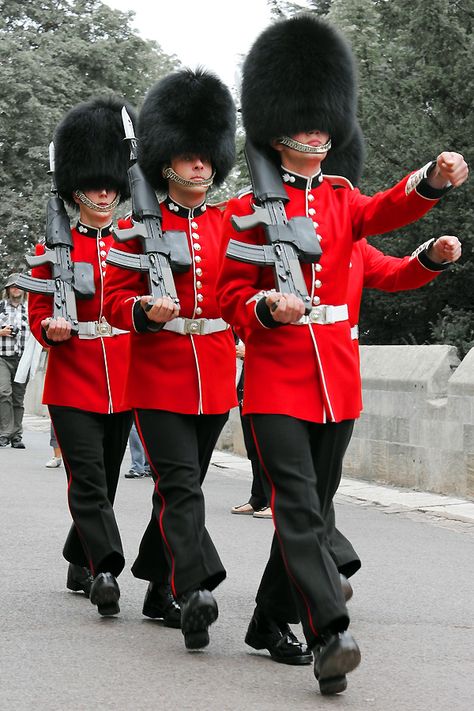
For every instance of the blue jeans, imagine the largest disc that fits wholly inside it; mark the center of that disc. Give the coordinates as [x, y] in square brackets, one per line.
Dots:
[139, 463]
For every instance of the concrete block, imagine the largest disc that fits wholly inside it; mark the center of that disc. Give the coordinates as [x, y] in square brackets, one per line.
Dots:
[361, 426]
[446, 471]
[468, 439]
[397, 429]
[403, 464]
[424, 369]
[438, 434]
[436, 408]
[377, 466]
[469, 466]
[462, 380]
[459, 408]
[353, 461]
[231, 437]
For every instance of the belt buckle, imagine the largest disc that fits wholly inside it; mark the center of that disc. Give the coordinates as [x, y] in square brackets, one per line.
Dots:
[193, 326]
[103, 328]
[318, 314]
[323, 314]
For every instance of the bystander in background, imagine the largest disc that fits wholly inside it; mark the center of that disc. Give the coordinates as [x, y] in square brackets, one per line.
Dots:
[139, 466]
[14, 331]
[56, 459]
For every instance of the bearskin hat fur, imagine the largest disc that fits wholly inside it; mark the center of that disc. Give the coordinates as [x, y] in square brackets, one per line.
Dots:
[90, 151]
[299, 75]
[348, 159]
[187, 112]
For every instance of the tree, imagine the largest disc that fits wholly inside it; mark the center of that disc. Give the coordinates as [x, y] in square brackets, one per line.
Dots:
[426, 108]
[53, 54]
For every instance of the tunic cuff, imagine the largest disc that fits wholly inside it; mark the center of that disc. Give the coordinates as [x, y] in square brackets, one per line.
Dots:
[264, 315]
[46, 339]
[424, 189]
[141, 323]
[428, 263]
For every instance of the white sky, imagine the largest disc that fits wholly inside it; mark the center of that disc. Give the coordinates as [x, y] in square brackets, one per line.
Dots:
[208, 32]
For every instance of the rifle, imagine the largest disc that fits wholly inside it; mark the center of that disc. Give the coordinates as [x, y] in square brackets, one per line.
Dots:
[68, 278]
[289, 242]
[163, 252]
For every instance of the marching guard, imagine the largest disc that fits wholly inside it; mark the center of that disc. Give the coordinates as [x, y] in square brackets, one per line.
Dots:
[87, 357]
[181, 377]
[302, 386]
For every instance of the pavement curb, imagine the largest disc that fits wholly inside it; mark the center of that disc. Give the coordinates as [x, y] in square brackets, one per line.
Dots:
[404, 500]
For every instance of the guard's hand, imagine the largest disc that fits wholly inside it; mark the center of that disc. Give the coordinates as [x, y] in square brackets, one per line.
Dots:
[6, 331]
[240, 350]
[285, 308]
[162, 311]
[57, 329]
[445, 249]
[450, 168]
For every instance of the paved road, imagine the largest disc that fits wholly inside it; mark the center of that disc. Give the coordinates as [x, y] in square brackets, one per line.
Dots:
[412, 610]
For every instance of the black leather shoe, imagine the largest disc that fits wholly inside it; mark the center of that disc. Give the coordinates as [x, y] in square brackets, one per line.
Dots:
[278, 638]
[79, 578]
[347, 590]
[17, 443]
[198, 611]
[105, 593]
[337, 655]
[160, 603]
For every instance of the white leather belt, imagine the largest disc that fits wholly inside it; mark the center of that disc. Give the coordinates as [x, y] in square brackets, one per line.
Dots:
[196, 326]
[324, 314]
[355, 333]
[97, 329]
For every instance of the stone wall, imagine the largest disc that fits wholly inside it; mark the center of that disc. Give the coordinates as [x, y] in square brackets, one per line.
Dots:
[417, 427]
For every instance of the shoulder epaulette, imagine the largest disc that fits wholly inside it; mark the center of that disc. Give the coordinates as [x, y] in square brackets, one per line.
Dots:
[339, 181]
[245, 191]
[124, 220]
[220, 205]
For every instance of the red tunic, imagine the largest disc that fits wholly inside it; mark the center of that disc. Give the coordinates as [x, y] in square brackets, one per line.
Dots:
[187, 374]
[86, 374]
[310, 372]
[372, 269]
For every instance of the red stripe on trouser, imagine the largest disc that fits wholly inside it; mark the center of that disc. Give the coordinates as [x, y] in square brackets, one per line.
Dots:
[272, 505]
[69, 481]
[163, 503]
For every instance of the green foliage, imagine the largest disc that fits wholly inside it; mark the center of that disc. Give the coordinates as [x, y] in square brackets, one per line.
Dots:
[54, 54]
[455, 327]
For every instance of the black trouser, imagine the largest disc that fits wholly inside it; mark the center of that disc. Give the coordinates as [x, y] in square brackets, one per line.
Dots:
[302, 462]
[341, 549]
[92, 447]
[176, 545]
[259, 497]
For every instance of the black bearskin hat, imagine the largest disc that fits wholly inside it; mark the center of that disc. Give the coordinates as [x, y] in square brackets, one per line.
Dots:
[90, 151]
[299, 75]
[187, 112]
[347, 160]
